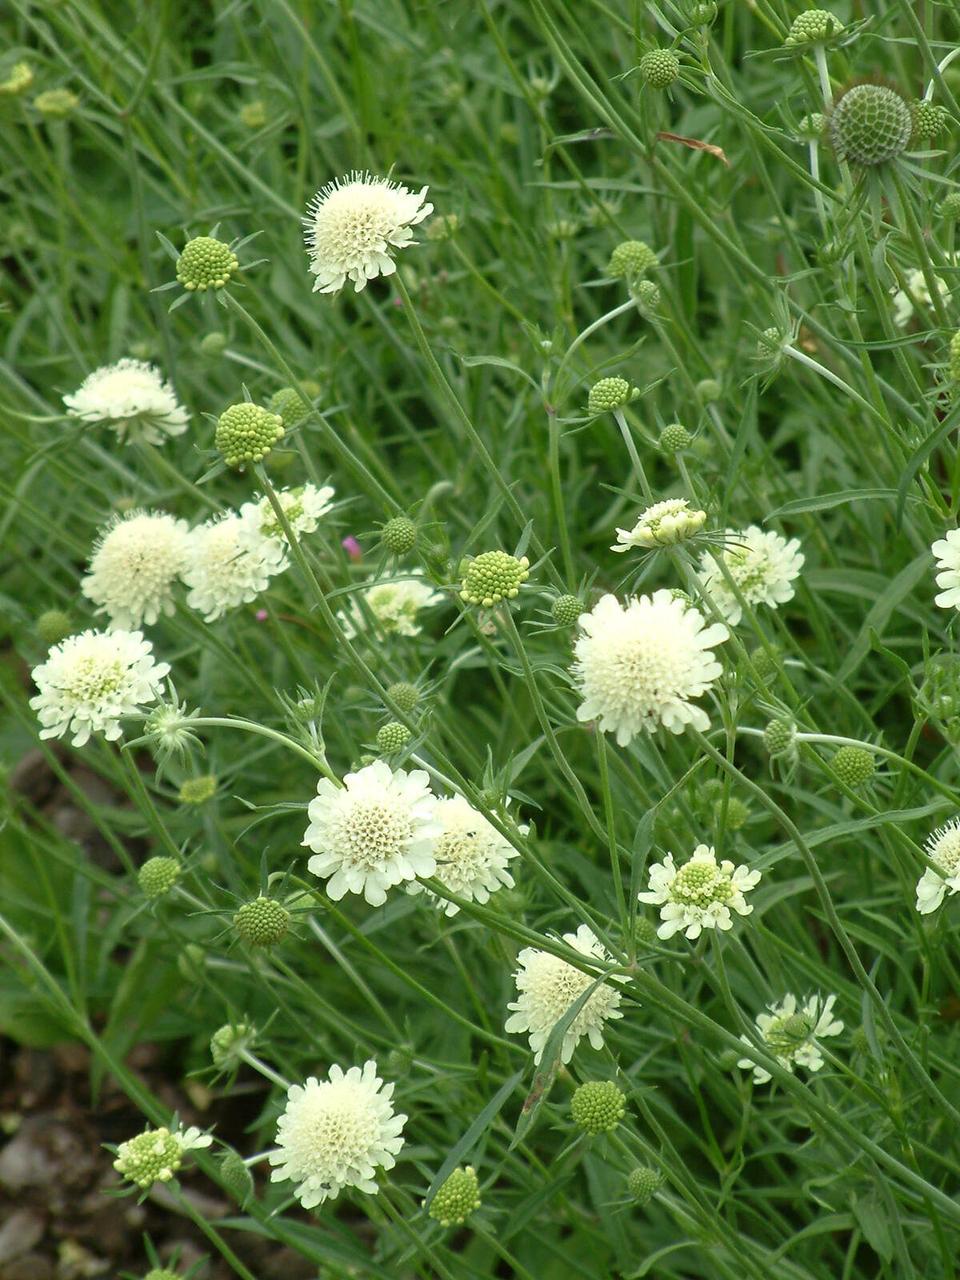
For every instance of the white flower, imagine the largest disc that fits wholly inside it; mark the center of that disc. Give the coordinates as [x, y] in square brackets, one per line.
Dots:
[335, 1133]
[947, 552]
[394, 603]
[471, 854]
[662, 524]
[131, 397]
[638, 666]
[226, 567]
[943, 850]
[374, 832]
[134, 565]
[917, 286]
[354, 224]
[700, 894]
[303, 508]
[761, 563]
[547, 987]
[790, 1034]
[90, 681]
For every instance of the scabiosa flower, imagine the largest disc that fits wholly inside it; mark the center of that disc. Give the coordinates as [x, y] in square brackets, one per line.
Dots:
[132, 398]
[90, 681]
[661, 525]
[943, 850]
[947, 552]
[335, 1133]
[471, 854]
[546, 988]
[700, 894]
[916, 291]
[225, 567]
[374, 832]
[134, 566]
[763, 565]
[791, 1032]
[303, 507]
[637, 666]
[394, 603]
[353, 226]
[156, 1154]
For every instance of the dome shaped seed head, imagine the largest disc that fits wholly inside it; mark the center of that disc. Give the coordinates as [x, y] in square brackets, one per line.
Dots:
[813, 27]
[214, 343]
[929, 120]
[674, 438]
[609, 394]
[54, 626]
[778, 737]
[854, 766]
[392, 737]
[870, 125]
[770, 342]
[737, 813]
[405, 695]
[565, 610]
[456, 1198]
[198, 790]
[287, 404]
[954, 364]
[950, 207]
[246, 433]
[236, 1178]
[56, 104]
[630, 259]
[644, 1183]
[708, 389]
[262, 922]
[227, 1042]
[659, 68]
[399, 535]
[206, 263]
[492, 577]
[157, 876]
[597, 1107]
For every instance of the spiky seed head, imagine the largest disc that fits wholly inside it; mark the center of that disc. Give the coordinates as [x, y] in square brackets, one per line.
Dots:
[609, 394]
[405, 695]
[289, 405]
[674, 438]
[53, 626]
[929, 120]
[399, 535]
[778, 737]
[597, 1106]
[565, 610]
[392, 737]
[871, 125]
[157, 876]
[246, 433]
[198, 790]
[263, 922]
[456, 1198]
[630, 259]
[659, 68]
[206, 263]
[813, 27]
[854, 766]
[493, 576]
[643, 1183]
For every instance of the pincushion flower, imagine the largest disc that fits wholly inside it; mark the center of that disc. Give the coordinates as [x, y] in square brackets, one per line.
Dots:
[790, 1033]
[763, 565]
[156, 1154]
[547, 987]
[302, 507]
[336, 1133]
[394, 604]
[226, 567]
[472, 856]
[90, 682]
[943, 850]
[662, 525]
[134, 566]
[132, 398]
[947, 552]
[700, 894]
[355, 224]
[376, 831]
[639, 665]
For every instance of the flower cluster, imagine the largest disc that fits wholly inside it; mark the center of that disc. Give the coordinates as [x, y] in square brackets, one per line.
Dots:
[790, 1033]
[757, 566]
[700, 894]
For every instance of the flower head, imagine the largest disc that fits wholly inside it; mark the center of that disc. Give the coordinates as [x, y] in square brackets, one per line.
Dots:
[456, 1198]
[871, 124]
[18, 79]
[659, 68]
[947, 552]
[630, 260]
[700, 894]
[206, 263]
[638, 666]
[158, 876]
[132, 398]
[547, 987]
[374, 832]
[813, 26]
[943, 850]
[394, 604]
[353, 226]
[303, 508]
[472, 856]
[156, 1154]
[262, 922]
[609, 394]
[494, 576]
[661, 525]
[790, 1033]
[761, 563]
[134, 566]
[916, 291]
[597, 1107]
[335, 1133]
[225, 567]
[89, 682]
[246, 433]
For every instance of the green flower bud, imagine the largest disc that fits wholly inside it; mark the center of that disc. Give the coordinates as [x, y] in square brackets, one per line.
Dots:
[645, 932]
[565, 610]
[399, 535]
[152, 1156]
[764, 663]
[708, 389]
[246, 433]
[630, 259]
[778, 737]
[643, 1184]
[646, 293]
[206, 263]
[235, 1177]
[198, 790]
[659, 68]
[854, 766]
[161, 1273]
[735, 810]
[950, 207]
[954, 364]
[813, 27]
[871, 125]
[56, 104]
[597, 1106]
[392, 737]
[770, 342]
[929, 121]
[456, 1198]
[443, 226]
[702, 14]
[53, 626]
[228, 1043]
[253, 114]
[263, 922]
[157, 876]
[812, 126]
[609, 394]
[19, 79]
[674, 438]
[191, 962]
[492, 577]
[404, 694]
[288, 405]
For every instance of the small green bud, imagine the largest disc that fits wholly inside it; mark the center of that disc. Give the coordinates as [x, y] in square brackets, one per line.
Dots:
[704, 13]
[659, 68]
[263, 922]
[235, 1177]
[778, 737]
[404, 694]
[392, 737]
[854, 766]
[214, 343]
[198, 790]
[871, 125]
[646, 293]
[674, 438]
[954, 363]
[643, 1184]
[597, 1106]
[152, 1156]
[813, 27]
[950, 207]
[811, 127]
[630, 259]
[492, 577]
[708, 389]
[54, 626]
[19, 79]
[157, 876]
[764, 662]
[206, 263]
[246, 433]
[565, 610]
[161, 1273]
[456, 1198]
[56, 104]
[770, 342]
[288, 405]
[929, 121]
[399, 535]
[645, 932]
[253, 115]
[443, 226]
[609, 394]
[228, 1043]
[734, 814]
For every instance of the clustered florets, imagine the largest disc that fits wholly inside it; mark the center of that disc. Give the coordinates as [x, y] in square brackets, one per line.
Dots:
[263, 922]
[494, 576]
[206, 263]
[456, 1198]
[609, 394]
[659, 68]
[246, 433]
[597, 1107]
[870, 125]
[813, 27]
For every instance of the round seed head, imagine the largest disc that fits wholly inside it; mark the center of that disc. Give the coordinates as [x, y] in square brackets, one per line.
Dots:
[646, 931]
[643, 1183]
[597, 1106]
[565, 610]
[399, 535]
[674, 438]
[288, 405]
[708, 389]
[54, 626]
[813, 27]
[206, 263]
[262, 922]
[609, 394]
[492, 577]
[246, 433]
[647, 295]
[632, 258]
[456, 1198]
[157, 876]
[929, 120]
[392, 737]
[778, 737]
[854, 766]
[659, 68]
[871, 125]
[18, 80]
[770, 342]
[404, 694]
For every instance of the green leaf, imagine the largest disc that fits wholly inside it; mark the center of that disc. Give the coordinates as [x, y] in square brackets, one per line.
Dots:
[472, 1135]
[883, 608]
[873, 1220]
